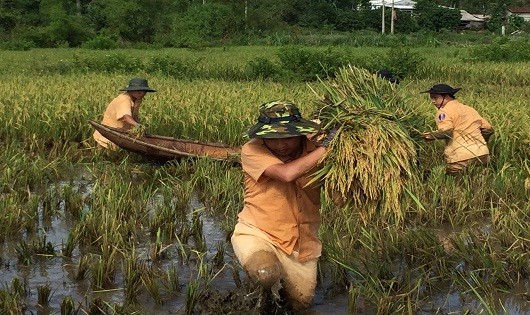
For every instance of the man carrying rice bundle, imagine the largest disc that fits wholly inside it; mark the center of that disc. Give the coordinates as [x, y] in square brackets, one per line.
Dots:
[275, 238]
[463, 129]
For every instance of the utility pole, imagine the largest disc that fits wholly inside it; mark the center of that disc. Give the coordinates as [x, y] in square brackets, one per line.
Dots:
[392, 16]
[246, 14]
[383, 18]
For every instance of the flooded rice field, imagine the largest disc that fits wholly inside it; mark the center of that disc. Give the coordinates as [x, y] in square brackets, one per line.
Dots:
[153, 239]
[40, 279]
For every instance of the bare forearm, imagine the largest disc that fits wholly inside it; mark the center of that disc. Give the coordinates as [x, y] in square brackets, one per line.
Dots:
[438, 134]
[129, 120]
[291, 171]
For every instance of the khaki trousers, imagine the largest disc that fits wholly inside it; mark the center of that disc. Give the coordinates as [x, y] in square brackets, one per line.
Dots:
[457, 167]
[298, 279]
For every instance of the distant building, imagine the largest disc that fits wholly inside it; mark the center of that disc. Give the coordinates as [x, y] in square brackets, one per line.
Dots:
[471, 21]
[523, 12]
[467, 21]
[401, 5]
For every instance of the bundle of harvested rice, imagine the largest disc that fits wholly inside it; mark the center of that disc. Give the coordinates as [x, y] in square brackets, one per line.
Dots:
[372, 160]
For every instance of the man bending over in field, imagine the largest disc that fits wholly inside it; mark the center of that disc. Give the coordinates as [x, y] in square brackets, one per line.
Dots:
[465, 132]
[123, 111]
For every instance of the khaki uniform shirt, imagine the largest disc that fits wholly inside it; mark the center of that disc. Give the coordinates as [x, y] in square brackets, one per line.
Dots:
[287, 213]
[120, 106]
[467, 141]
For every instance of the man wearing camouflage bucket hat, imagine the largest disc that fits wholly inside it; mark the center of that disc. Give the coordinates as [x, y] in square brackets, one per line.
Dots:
[275, 238]
[123, 111]
[465, 132]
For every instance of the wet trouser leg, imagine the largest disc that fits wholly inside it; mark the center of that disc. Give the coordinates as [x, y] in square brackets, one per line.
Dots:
[457, 167]
[267, 264]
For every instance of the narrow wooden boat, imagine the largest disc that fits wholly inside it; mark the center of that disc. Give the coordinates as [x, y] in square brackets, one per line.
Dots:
[164, 148]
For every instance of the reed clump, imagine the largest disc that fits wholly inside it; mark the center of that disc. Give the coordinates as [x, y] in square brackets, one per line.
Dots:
[371, 162]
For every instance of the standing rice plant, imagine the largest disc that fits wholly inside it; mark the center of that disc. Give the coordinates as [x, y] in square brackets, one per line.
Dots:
[221, 190]
[235, 270]
[171, 207]
[483, 291]
[353, 297]
[71, 242]
[51, 203]
[198, 286]
[12, 299]
[98, 306]
[73, 201]
[17, 214]
[193, 295]
[24, 253]
[157, 250]
[372, 161]
[20, 288]
[103, 271]
[97, 272]
[197, 231]
[150, 281]
[42, 247]
[132, 276]
[44, 294]
[68, 306]
[218, 258]
[83, 266]
[511, 225]
[11, 304]
[171, 280]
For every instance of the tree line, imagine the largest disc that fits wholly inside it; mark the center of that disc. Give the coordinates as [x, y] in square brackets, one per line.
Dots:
[186, 23]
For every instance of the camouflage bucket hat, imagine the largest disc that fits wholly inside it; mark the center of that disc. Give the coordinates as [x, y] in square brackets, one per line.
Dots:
[281, 119]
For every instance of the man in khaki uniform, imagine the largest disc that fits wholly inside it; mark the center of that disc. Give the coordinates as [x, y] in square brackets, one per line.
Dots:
[275, 238]
[123, 111]
[463, 129]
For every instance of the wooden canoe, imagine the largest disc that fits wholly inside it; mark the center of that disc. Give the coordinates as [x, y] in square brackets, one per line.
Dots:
[164, 148]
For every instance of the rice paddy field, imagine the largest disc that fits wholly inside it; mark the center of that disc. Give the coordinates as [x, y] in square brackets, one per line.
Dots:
[83, 231]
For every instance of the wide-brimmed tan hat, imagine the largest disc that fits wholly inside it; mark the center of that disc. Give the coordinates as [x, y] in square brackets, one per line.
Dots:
[138, 84]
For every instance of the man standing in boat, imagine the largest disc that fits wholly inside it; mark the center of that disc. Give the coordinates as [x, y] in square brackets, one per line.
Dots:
[123, 111]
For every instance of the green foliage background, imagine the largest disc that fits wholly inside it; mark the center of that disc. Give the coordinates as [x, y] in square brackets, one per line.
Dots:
[107, 24]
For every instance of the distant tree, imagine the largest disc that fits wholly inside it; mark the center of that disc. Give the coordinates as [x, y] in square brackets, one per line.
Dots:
[8, 21]
[312, 13]
[46, 23]
[349, 20]
[434, 17]
[262, 16]
[497, 15]
[203, 24]
[405, 23]
[131, 20]
[61, 25]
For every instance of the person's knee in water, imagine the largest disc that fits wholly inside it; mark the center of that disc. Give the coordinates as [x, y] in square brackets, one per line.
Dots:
[264, 268]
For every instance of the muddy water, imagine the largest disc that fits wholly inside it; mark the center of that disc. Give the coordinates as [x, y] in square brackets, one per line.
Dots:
[59, 273]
